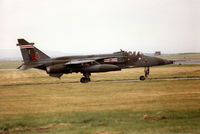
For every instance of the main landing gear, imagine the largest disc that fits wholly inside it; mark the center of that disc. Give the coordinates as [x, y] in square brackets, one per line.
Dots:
[86, 78]
[146, 73]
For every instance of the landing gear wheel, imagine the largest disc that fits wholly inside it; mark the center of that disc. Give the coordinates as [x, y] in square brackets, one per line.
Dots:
[84, 80]
[142, 78]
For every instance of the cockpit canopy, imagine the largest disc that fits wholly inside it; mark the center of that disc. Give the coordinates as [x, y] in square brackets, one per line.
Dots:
[129, 53]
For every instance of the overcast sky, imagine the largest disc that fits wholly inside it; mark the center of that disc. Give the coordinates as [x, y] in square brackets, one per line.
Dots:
[98, 26]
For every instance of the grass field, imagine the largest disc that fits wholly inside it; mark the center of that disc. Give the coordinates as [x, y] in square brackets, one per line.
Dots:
[9, 64]
[32, 102]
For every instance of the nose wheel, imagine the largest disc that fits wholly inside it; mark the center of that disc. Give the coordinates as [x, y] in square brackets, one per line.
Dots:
[86, 78]
[142, 77]
[146, 73]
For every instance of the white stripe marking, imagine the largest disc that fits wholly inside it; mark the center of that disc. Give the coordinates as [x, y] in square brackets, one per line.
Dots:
[27, 46]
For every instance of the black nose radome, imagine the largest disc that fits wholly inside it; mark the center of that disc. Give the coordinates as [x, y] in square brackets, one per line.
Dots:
[169, 61]
[160, 61]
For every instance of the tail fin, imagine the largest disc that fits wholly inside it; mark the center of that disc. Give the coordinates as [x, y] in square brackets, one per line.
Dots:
[30, 53]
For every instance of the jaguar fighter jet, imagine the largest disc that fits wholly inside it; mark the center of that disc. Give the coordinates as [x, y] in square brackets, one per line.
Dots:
[86, 64]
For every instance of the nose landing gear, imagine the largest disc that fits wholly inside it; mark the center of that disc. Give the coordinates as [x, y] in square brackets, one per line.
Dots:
[146, 73]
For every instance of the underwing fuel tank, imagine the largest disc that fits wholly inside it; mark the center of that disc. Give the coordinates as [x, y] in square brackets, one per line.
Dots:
[102, 68]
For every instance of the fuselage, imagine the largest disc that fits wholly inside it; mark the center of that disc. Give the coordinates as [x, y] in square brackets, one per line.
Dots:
[120, 59]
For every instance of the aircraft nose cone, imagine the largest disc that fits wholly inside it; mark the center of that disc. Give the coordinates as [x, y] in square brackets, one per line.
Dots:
[169, 61]
[161, 61]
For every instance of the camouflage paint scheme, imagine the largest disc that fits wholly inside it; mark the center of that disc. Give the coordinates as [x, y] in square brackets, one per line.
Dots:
[86, 64]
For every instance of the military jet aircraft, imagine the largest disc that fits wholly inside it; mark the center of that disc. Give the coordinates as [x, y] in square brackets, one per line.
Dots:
[86, 64]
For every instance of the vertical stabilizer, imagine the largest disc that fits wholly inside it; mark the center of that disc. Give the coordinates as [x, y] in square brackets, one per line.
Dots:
[30, 53]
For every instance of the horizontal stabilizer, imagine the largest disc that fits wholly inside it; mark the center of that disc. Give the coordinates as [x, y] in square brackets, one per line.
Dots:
[22, 42]
[25, 67]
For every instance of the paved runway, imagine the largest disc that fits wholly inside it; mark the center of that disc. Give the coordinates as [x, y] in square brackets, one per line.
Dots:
[187, 62]
[150, 79]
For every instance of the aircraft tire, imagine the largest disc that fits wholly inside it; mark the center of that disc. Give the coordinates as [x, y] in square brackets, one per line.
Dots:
[84, 80]
[142, 78]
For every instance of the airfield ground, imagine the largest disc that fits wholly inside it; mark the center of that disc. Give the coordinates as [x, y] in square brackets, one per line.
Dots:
[32, 102]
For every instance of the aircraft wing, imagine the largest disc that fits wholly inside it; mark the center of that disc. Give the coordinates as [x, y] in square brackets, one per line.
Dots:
[81, 61]
[91, 60]
[85, 60]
